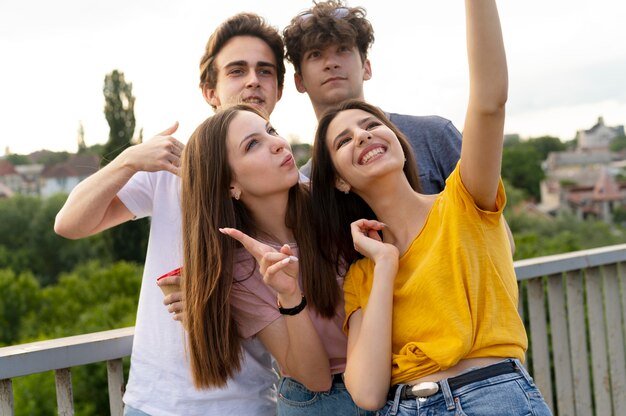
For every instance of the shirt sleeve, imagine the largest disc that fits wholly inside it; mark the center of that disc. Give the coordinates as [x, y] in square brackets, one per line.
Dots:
[460, 191]
[138, 194]
[253, 302]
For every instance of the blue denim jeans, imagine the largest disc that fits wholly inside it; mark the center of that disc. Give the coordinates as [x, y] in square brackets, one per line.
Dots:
[296, 400]
[131, 411]
[507, 394]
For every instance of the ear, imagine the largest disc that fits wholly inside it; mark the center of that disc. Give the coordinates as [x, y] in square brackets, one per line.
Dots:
[299, 83]
[210, 96]
[367, 70]
[342, 185]
[279, 93]
[235, 192]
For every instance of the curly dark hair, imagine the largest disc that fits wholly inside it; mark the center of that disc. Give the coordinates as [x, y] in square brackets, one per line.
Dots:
[328, 22]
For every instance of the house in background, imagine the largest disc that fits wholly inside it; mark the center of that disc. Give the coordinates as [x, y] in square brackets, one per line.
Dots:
[583, 181]
[598, 138]
[63, 177]
[9, 177]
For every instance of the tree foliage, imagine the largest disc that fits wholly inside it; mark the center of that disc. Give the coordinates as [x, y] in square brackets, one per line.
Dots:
[127, 241]
[522, 160]
[119, 110]
[618, 144]
[91, 298]
[28, 242]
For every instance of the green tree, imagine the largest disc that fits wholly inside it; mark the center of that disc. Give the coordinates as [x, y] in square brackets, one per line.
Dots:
[51, 254]
[16, 214]
[82, 146]
[521, 167]
[17, 160]
[119, 110]
[618, 144]
[20, 295]
[127, 241]
[546, 144]
[91, 298]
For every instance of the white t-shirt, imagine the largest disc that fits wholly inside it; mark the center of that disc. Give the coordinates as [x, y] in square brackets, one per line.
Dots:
[160, 378]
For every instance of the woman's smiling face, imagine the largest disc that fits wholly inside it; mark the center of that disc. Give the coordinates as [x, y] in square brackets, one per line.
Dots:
[362, 147]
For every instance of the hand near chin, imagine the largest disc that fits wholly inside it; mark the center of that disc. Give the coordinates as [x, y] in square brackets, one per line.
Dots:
[278, 267]
[368, 242]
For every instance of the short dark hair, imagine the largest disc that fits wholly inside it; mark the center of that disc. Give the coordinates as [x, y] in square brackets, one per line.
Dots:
[242, 24]
[322, 25]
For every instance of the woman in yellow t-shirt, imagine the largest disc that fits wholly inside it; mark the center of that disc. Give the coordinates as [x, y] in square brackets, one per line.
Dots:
[431, 294]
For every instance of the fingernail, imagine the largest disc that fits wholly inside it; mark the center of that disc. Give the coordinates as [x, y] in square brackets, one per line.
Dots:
[222, 230]
[292, 259]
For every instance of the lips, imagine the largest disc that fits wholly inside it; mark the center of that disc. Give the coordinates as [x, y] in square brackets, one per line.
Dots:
[288, 160]
[253, 100]
[334, 79]
[371, 152]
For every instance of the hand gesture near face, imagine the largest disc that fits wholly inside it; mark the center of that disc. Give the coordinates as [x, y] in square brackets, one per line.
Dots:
[279, 267]
[367, 241]
[162, 152]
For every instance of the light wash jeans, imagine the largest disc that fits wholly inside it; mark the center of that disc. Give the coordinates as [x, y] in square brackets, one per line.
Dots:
[296, 400]
[131, 411]
[507, 394]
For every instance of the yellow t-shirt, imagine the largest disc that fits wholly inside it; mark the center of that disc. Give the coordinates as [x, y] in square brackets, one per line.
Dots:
[455, 294]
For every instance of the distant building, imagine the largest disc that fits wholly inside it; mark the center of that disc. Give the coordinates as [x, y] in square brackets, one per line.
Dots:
[599, 137]
[39, 180]
[63, 177]
[9, 177]
[583, 181]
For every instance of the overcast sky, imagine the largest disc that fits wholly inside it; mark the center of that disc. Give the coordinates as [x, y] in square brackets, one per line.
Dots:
[567, 64]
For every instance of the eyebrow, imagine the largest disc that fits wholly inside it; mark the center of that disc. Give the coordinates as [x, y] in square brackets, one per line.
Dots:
[252, 135]
[347, 130]
[243, 62]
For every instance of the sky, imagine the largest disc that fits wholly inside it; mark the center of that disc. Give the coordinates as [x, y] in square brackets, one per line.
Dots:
[567, 65]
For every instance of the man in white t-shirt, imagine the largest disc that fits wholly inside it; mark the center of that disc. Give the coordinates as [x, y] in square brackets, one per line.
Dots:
[243, 61]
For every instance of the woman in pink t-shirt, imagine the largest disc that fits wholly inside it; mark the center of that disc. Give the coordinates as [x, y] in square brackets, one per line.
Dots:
[239, 176]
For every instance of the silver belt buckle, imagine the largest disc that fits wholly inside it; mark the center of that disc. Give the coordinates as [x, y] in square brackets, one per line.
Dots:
[424, 389]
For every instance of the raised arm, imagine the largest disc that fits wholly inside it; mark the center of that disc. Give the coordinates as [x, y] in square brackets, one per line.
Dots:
[481, 151]
[93, 205]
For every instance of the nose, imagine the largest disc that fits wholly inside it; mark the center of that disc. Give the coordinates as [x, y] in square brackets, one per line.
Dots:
[362, 136]
[278, 145]
[330, 61]
[252, 80]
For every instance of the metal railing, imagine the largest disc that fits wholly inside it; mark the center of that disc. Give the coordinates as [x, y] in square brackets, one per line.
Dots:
[574, 307]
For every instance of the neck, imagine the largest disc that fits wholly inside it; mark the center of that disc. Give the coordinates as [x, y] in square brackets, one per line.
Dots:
[269, 214]
[396, 204]
[320, 107]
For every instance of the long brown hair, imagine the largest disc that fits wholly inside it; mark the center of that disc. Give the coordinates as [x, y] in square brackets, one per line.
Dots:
[334, 210]
[214, 343]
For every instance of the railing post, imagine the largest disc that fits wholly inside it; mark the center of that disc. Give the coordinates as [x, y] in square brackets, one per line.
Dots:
[65, 399]
[6, 397]
[115, 375]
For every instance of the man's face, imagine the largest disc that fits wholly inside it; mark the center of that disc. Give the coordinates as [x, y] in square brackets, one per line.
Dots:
[332, 74]
[246, 72]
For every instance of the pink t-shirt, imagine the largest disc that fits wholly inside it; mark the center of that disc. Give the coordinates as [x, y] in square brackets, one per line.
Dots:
[254, 307]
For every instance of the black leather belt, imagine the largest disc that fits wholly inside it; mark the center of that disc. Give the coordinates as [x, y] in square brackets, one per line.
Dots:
[426, 389]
